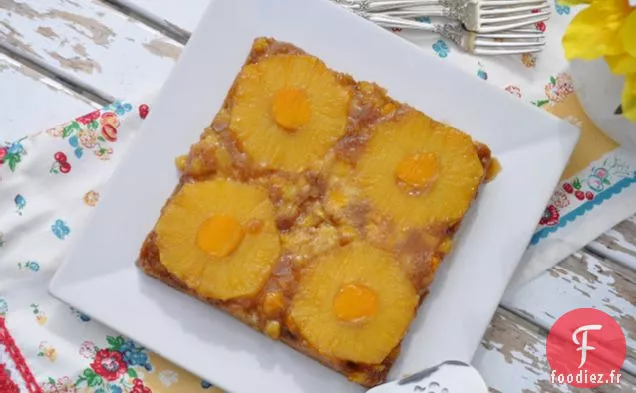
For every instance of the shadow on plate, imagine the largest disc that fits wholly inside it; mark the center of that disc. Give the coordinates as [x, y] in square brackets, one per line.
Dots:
[235, 342]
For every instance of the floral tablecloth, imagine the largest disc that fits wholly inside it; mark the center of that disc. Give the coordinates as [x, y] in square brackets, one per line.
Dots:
[51, 181]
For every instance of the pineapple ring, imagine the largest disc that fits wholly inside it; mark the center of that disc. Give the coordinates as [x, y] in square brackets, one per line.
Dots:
[451, 173]
[335, 332]
[214, 270]
[288, 111]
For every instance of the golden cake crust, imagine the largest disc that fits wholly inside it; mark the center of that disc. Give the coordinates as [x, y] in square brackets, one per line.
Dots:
[310, 223]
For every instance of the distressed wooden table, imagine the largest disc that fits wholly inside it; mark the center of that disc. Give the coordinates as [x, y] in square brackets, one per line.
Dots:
[61, 58]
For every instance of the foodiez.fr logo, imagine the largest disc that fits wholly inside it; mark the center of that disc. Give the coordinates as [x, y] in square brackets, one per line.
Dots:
[586, 348]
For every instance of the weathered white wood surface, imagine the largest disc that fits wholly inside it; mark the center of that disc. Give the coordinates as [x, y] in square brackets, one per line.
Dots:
[618, 244]
[121, 56]
[173, 13]
[581, 281]
[90, 40]
[31, 102]
[511, 359]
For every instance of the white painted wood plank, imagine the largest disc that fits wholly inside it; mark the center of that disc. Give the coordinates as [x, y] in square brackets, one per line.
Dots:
[581, 280]
[183, 15]
[31, 102]
[512, 359]
[618, 244]
[90, 40]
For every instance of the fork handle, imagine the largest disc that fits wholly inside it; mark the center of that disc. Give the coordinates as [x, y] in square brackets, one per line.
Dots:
[418, 12]
[392, 22]
[385, 5]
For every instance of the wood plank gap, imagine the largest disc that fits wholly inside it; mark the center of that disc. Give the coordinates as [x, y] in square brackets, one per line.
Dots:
[530, 321]
[67, 80]
[608, 252]
[154, 22]
[597, 253]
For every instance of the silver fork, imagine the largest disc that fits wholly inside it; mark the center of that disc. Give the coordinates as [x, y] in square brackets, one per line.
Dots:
[498, 43]
[451, 376]
[482, 16]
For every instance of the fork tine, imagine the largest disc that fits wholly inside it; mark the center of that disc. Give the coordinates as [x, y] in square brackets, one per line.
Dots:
[507, 3]
[496, 28]
[515, 18]
[511, 51]
[526, 30]
[512, 35]
[521, 33]
[519, 44]
[511, 10]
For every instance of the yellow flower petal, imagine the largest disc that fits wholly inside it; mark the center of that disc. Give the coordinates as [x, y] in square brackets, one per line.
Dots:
[594, 31]
[628, 33]
[621, 64]
[628, 101]
[574, 2]
[614, 12]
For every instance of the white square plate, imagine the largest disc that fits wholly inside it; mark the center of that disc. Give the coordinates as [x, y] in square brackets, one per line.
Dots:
[532, 146]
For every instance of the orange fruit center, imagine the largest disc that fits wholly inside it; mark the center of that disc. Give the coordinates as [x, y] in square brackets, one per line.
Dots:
[355, 302]
[291, 109]
[418, 170]
[220, 235]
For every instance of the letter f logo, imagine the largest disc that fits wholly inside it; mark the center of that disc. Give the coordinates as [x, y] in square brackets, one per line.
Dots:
[584, 347]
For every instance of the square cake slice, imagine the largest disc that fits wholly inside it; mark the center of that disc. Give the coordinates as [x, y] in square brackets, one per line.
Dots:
[316, 209]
